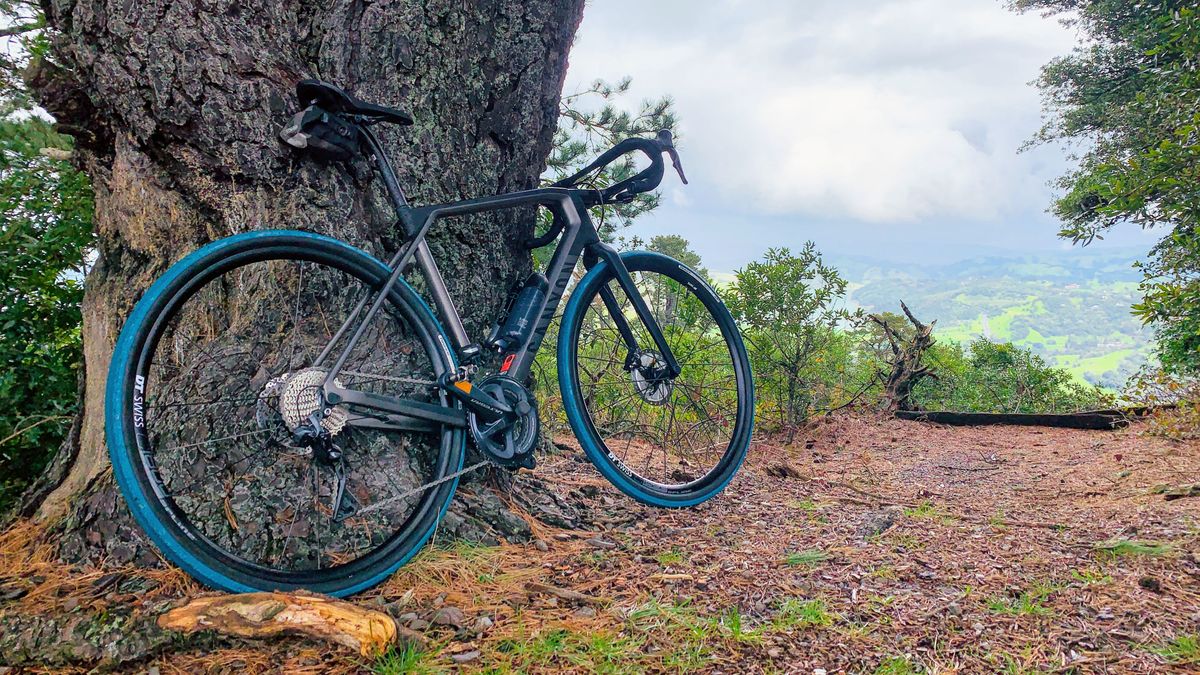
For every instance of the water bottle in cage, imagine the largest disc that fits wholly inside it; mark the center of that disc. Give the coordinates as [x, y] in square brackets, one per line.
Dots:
[522, 314]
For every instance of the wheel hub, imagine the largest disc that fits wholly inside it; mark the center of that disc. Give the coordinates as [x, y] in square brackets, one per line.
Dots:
[650, 379]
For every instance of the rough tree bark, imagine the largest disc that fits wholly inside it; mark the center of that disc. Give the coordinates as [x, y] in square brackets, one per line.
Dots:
[905, 367]
[176, 105]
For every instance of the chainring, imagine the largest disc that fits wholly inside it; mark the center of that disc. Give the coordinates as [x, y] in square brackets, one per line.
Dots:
[510, 446]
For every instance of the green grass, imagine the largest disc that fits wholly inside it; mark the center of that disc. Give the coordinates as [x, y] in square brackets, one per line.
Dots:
[734, 626]
[800, 613]
[1014, 666]
[1119, 548]
[806, 505]
[402, 661]
[693, 635]
[672, 557]
[1029, 603]
[597, 652]
[809, 558]
[898, 665]
[1090, 577]
[1184, 649]
[927, 510]
[884, 571]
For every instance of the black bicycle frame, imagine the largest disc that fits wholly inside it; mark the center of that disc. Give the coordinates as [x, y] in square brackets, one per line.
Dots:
[578, 238]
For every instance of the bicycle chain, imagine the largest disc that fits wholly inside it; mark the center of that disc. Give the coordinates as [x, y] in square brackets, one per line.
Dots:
[404, 495]
[389, 378]
[391, 500]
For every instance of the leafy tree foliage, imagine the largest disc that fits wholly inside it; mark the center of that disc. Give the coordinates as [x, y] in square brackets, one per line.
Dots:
[678, 248]
[590, 122]
[21, 23]
[1131, 96]
[45, 233]
[790, 306]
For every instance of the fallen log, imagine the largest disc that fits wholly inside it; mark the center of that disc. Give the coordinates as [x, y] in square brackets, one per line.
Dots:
[259, 615]
[1106, 420]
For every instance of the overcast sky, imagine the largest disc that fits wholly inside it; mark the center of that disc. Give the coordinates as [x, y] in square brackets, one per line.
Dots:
[888, 128]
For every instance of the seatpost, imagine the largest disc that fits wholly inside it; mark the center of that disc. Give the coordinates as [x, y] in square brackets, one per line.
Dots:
[395, 193]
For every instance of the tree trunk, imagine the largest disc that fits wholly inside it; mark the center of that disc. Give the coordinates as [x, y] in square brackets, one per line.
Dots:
[905, 369]
[175, 105]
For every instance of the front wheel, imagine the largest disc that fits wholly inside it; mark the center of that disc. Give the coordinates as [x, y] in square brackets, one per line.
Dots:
[664, 441]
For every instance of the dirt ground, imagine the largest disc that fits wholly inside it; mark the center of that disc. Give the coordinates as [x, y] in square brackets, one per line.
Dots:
[864, 546]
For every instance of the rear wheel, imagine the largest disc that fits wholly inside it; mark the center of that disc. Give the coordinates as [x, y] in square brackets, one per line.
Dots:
[666, 441]
[216, 369]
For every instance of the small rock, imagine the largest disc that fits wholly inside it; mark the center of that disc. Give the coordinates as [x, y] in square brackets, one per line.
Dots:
[407, 618]
[597, 542]
[153, 671]
[585, 612]
[953, 610]
[819, 671]
[418, 624]
[540, 545]
[774, 652]
[878, 522]
[449, 616]
[926, 574]
[977, 627]
[465, 657]
[70, 604]
[1151, 584]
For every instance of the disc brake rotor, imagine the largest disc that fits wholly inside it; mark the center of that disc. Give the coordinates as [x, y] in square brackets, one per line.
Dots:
[649, 378]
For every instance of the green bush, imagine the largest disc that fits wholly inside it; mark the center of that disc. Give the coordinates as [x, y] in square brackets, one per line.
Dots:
[1000, 377]
[790, 307]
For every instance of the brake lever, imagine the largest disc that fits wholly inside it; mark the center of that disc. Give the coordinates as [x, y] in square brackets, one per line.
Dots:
[678, 166]
[667, 142]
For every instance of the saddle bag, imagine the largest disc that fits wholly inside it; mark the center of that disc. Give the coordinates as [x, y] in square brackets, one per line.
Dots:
[321, 133]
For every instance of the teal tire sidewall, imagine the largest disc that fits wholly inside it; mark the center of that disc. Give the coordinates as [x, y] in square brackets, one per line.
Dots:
[118, 432]
[577, 416]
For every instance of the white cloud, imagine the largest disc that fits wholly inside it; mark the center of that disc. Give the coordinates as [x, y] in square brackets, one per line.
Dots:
[885, 112]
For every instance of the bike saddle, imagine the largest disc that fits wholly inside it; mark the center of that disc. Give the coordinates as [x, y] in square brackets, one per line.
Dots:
[333, 99]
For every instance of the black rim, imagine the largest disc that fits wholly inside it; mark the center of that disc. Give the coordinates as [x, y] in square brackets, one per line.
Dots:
[673, 436]
[280, 536]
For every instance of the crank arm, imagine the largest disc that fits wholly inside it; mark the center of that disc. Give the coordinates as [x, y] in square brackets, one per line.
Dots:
[402, 407]
[477, 401]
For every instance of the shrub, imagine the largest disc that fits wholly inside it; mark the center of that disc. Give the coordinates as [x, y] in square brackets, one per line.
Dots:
[1001, 377]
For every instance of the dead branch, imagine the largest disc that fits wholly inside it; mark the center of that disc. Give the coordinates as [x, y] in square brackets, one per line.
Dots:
[564, 593]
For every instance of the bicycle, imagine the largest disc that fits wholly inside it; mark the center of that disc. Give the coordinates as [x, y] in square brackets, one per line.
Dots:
[285, 411]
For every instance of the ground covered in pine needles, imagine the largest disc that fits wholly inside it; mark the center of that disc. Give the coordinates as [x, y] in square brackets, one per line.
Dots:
[861, 546]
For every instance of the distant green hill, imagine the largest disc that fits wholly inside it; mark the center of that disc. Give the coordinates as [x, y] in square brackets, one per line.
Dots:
[1070, 307]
